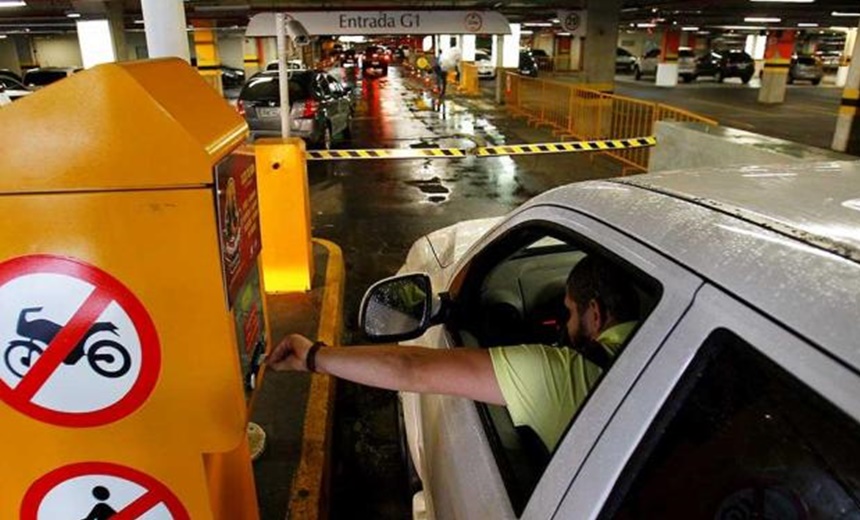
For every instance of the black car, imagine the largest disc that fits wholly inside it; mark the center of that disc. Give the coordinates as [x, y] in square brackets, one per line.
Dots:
[320, 106]
[528, 64]
[7, 73]
[728, 64]
[375, 60]
[231, 77]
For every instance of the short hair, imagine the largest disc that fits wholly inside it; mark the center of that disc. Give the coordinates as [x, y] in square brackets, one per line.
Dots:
[594, 278]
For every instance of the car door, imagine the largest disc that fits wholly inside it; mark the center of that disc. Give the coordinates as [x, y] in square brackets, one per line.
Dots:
[735, 417]
[342, 102]
[468, 467]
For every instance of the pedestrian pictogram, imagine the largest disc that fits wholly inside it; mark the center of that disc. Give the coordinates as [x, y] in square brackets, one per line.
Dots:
[98, 491]
[77, 347]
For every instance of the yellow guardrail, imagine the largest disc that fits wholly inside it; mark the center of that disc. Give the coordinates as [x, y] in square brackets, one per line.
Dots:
[586, 112]
[469, 84]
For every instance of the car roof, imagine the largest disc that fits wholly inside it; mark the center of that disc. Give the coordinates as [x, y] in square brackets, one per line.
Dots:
[785, 239]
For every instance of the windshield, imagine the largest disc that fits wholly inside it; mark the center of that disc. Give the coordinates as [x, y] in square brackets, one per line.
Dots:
[43, 77]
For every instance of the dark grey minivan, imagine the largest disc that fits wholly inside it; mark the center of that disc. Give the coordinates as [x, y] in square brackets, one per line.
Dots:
[320, 106]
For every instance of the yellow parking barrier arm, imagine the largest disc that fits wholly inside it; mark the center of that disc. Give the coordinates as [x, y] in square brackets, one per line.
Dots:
[285, 218]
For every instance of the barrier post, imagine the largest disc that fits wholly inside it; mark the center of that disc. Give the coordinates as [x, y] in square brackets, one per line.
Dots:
[285, 218]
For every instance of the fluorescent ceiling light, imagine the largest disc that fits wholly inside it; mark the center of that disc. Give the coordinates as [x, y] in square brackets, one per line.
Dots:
[555, 20]
[802, 24]
[12, 3]
[838, 13]
[73, 15]
[742, 27]
[762, 19]
[646, 25]
[526, 32]
[3, 36]
[537, 24]
[562, 34]
[691, 29]
[139, 22]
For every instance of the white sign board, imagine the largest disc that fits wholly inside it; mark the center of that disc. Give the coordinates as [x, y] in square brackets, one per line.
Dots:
[324, 23]
[573, 22]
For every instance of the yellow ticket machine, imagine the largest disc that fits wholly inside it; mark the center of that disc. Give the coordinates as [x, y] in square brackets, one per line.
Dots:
[129, 281]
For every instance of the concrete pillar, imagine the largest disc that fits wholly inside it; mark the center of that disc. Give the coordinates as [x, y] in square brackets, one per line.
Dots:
[498, 58]
[116, 17]
[164, 22]
[94, 38]
[206, 51]
[777, 55]
[842, 73]
[601, 40]
[846, 138]
[253, 56]
[667, 69]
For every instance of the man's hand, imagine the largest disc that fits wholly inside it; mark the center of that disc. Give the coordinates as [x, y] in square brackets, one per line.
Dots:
[290, 354]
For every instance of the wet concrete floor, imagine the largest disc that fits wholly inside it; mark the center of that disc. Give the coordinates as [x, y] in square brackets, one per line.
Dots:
[376, 209]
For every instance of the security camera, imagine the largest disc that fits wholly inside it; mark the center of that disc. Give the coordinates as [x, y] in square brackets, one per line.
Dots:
[298, 33]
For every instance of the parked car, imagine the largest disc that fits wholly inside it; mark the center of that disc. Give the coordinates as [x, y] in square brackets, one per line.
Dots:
[484, 62]
[13, 89]
[806, 68]
[726, 64]
[624, 61]
[527, 64]
[646, 65]
[232, 77]
[830, 59]
[543, 59]
[8, 73]
[41, 77]
[320, 106]
[375, 60]
[736, 394]
[686, 64]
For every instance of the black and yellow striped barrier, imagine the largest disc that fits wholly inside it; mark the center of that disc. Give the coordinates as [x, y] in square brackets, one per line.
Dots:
[603, 145]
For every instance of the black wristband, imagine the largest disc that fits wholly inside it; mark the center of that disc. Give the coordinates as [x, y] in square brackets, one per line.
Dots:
[311, 358]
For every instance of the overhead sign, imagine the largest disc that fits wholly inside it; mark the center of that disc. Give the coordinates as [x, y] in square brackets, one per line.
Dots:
[323, 23]
[100, 490]
[77, 347]
[573, 22]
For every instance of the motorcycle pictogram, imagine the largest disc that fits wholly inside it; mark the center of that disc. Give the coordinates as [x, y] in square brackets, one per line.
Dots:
[106, 357]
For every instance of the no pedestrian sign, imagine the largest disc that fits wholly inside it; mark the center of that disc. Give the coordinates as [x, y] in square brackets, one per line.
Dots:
[77, 347]
[100, 490]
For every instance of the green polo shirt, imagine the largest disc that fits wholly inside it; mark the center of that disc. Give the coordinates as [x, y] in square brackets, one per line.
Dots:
[544, 386]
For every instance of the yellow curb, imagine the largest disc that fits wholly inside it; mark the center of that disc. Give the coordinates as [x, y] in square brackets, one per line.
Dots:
[309, 492]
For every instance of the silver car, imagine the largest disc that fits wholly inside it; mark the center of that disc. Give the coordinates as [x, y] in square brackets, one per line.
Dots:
[806, 68]
[320, 106]
[736, 396]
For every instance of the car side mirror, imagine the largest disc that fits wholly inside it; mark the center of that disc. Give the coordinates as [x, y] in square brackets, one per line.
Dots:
[397, 308]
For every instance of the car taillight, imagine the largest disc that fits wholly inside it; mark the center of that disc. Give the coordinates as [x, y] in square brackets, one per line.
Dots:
[307, 109]
[240, 107]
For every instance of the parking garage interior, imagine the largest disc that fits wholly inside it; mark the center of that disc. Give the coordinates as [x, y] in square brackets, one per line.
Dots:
[733, 83]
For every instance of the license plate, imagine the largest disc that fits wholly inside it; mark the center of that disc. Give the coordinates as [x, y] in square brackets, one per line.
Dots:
[268, 111]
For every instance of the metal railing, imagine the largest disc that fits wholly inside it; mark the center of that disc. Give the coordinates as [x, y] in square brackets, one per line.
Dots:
[585, 112]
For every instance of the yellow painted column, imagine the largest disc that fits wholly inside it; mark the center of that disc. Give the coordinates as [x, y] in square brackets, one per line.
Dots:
[285, 215]
[206, 50]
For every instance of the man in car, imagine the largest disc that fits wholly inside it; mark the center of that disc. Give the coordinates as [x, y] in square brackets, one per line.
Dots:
[542, 386]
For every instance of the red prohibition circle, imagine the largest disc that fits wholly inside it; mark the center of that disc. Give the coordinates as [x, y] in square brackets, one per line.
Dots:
[143, 324]
[40, 488]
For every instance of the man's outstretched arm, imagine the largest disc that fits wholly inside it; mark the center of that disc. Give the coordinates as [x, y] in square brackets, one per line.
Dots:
[466, 372]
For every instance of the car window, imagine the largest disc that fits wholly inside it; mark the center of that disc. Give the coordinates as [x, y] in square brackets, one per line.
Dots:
[43, 77]
[515, 296]
[686, 53]
[622, 52]
[265, 87]
[653, 53]
[807, 60]
[740, 437]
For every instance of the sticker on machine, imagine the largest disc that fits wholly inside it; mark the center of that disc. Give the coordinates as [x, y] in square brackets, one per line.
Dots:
[77, 346]
[100, 490]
